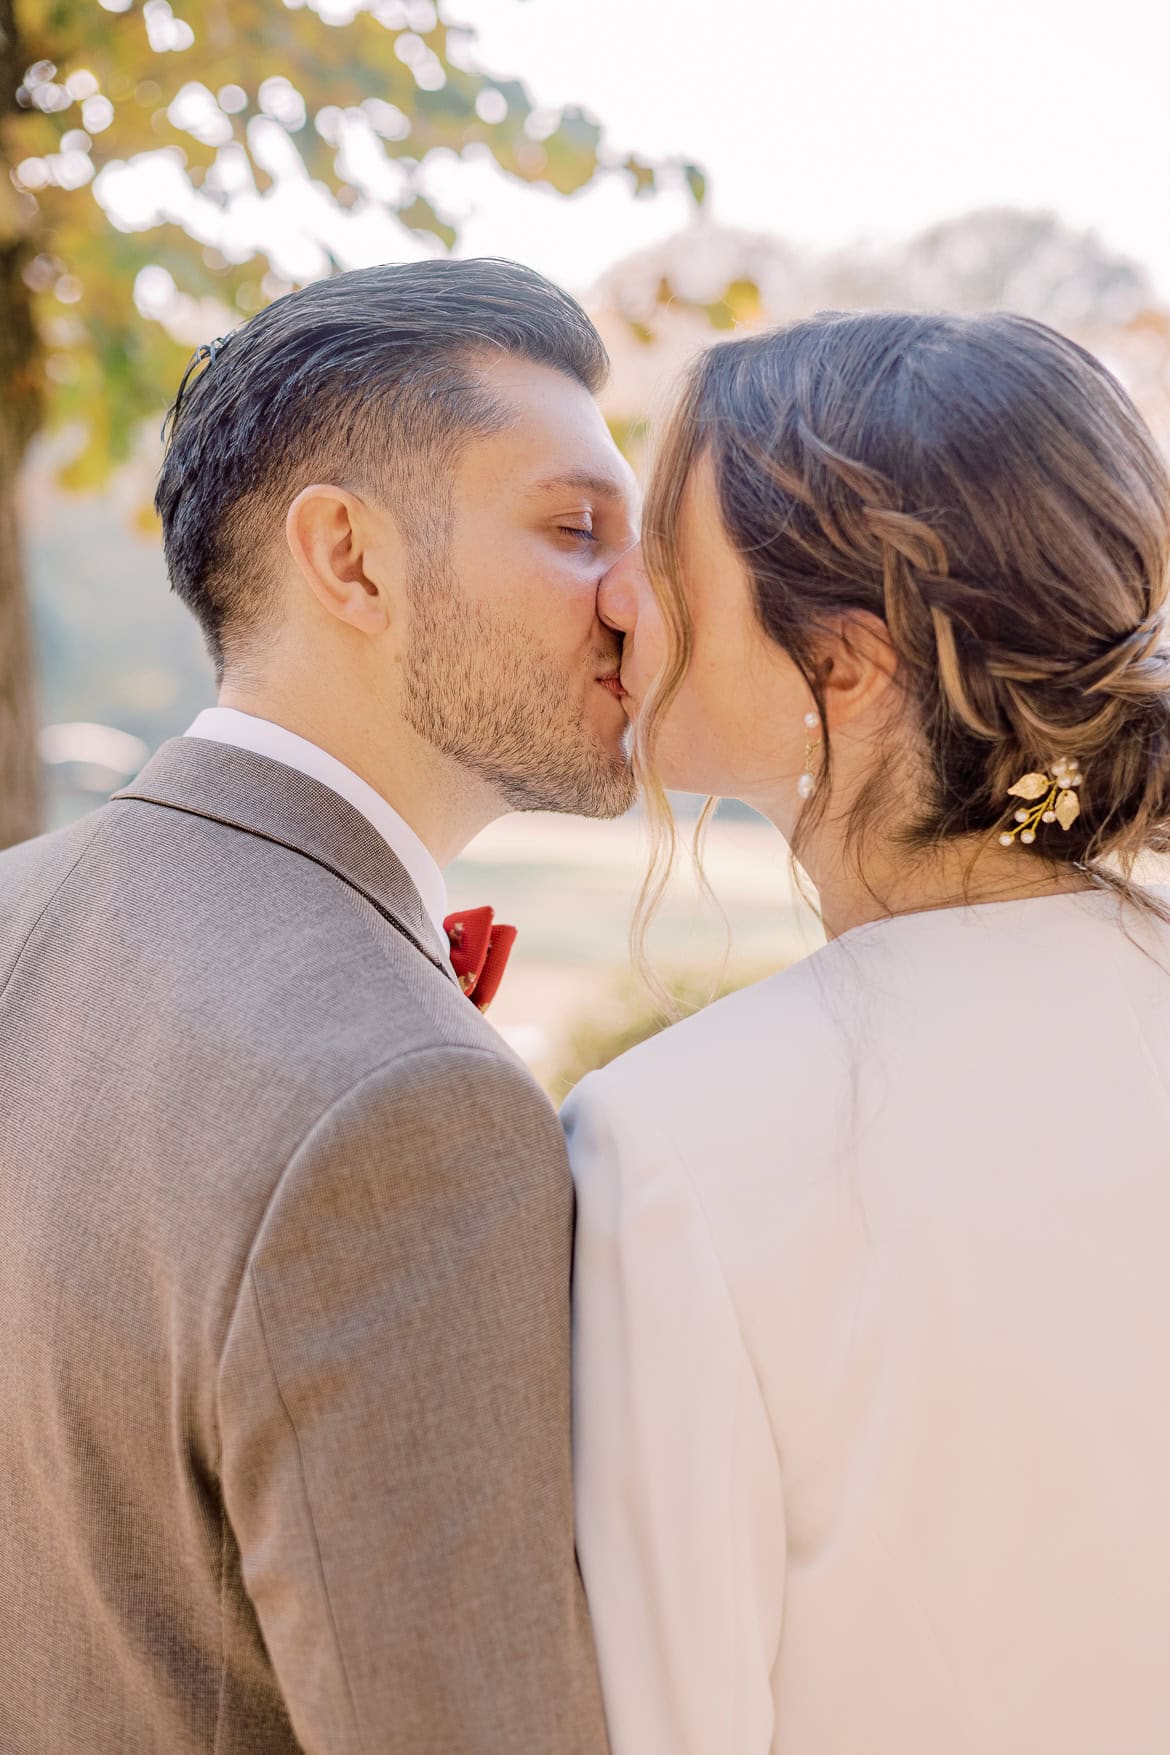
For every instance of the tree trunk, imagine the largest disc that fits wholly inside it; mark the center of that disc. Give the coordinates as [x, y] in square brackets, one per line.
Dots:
[21, 386]
[20, 768]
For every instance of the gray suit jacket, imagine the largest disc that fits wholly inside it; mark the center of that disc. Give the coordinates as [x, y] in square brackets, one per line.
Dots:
[284, 1274]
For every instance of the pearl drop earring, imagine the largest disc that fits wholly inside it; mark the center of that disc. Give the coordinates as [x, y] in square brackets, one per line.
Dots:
[807, 783]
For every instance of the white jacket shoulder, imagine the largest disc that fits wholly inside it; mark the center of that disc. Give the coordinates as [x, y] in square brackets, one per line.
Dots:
[775, 1053]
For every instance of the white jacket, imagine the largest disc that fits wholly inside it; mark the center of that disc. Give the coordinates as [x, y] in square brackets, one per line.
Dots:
[872, 1349]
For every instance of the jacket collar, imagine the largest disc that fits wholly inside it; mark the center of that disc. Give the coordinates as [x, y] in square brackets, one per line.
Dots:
[278, 803]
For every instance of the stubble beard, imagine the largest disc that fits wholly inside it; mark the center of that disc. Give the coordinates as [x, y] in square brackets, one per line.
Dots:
[483, 690]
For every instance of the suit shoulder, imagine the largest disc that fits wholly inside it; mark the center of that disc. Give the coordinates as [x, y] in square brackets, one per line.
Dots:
[448, 1088]
[433, 1128]
[32, 873]
[40, 864]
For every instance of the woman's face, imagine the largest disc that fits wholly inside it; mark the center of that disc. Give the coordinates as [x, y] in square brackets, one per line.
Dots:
[736, 728]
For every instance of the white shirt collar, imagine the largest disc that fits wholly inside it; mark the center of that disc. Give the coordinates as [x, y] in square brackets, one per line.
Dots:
[264, 738]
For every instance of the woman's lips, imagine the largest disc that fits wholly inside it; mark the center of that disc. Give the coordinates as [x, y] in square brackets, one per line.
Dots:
[614, 686]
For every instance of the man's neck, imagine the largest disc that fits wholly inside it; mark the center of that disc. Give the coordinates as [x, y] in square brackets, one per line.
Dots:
[444, 805]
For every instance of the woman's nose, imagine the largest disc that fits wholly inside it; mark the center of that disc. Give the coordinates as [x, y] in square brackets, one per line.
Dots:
[617, 595]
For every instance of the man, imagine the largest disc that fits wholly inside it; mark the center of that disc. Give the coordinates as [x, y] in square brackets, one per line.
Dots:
[284, 1401]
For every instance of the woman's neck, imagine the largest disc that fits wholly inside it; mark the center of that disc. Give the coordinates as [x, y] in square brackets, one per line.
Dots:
[889, 881]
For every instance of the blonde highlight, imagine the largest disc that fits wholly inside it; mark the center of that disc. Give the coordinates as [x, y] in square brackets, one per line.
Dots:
[676, 454]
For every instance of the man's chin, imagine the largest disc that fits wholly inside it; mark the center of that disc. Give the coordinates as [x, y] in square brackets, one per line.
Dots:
[601, 791]
[613, 805]
[614, 789]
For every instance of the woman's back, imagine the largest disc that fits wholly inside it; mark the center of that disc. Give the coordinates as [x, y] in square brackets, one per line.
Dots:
[873, 1348]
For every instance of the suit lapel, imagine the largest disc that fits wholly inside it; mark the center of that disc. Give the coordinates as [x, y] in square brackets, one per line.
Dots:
[278, 803]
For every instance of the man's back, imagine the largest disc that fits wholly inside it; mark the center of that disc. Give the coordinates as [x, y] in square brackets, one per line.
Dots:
[285, 1231]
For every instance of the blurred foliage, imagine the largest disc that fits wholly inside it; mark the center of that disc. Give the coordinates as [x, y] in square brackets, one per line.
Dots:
[629, 433]
[658, 307]
[227, 102]
[633, 1015]
[739, 303]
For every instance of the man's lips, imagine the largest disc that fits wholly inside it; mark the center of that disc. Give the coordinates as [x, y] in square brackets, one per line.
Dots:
[614, 686]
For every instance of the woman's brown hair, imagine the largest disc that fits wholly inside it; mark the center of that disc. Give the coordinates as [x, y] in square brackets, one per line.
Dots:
[986, 488]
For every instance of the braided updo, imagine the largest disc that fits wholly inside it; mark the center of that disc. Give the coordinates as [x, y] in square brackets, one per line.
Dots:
[986, 488]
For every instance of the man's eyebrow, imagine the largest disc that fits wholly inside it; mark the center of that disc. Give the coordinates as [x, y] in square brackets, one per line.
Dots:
[604, 487]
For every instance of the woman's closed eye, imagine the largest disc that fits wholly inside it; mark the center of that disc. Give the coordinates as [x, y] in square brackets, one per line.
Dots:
[577, 530]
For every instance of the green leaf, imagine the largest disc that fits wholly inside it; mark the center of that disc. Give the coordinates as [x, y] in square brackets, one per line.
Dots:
[420, 216]
[641, 174]
[696, 183]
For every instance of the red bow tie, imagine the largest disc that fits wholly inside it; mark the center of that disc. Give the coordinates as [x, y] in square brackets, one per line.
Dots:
[479, 953]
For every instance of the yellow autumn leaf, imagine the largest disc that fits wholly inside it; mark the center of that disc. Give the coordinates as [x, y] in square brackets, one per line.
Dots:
[1068, 809]
[1031, 786]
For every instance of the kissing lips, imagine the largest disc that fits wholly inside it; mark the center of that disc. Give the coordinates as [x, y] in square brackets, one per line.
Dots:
[614, 685]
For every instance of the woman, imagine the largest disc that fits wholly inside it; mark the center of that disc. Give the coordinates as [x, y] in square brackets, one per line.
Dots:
[872, 1290]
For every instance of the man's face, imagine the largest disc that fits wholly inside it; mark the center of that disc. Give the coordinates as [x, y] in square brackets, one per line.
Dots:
[508, 669]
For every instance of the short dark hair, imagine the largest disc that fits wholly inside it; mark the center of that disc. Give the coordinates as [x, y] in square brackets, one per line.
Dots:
[367, 379]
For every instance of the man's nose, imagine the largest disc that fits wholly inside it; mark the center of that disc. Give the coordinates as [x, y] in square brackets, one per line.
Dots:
[617, 595]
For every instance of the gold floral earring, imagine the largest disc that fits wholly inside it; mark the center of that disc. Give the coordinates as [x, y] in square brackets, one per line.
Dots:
[807, 783]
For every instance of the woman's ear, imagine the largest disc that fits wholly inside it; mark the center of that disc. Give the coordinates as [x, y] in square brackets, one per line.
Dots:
[857, 665]
[350, 556]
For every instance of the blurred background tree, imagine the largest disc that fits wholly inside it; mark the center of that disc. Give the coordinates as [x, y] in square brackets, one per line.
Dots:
[656, 308]
[171, 169]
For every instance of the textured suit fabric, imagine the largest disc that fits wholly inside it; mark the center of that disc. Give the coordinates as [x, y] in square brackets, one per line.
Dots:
[284, 1259]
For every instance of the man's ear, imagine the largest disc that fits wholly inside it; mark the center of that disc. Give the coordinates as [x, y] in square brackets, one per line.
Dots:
[351, 559]
[858, 664]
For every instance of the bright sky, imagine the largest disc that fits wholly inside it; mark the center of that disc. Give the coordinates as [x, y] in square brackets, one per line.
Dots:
[829, 120]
